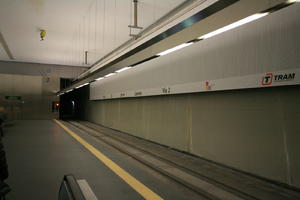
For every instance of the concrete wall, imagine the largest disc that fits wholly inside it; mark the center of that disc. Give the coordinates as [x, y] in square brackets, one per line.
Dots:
[36, 84]
[253, 130]
[36, 92]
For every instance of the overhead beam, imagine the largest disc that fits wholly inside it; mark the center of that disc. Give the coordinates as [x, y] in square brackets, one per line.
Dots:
[37, 69]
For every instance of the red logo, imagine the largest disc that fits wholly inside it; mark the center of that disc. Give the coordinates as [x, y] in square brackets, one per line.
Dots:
[267, 79]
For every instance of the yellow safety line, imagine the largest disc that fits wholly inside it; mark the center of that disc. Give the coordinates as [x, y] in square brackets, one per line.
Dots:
[130, 180]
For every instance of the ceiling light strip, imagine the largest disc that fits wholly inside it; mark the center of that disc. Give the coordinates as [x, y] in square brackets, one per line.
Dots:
[98, 79]
[110, 74]
[234, 25]
[123, 69]
[293, 1]
[69, 90]
[174, 49]
[82, 85]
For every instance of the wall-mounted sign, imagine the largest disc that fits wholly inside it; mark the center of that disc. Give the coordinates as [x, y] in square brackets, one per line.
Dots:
[13, 97]
[270, 79]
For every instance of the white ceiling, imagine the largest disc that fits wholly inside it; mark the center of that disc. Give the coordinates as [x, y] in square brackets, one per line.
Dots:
[73, 26]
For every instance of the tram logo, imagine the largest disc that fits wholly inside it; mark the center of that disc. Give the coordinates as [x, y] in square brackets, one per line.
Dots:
[269, 78]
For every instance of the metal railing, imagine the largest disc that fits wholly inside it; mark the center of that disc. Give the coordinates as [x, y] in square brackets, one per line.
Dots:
[70, 190]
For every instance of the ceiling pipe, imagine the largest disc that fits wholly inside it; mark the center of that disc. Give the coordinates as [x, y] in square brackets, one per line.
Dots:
[135, 19]
[135, 13]
[86, 57]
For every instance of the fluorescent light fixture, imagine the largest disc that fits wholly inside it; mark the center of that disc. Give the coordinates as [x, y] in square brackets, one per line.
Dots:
[234, 25]
[69, 90]
[82, 85]
[110, 74]
[293, 1]
[174, 49]
[123, 69]
[98, 79]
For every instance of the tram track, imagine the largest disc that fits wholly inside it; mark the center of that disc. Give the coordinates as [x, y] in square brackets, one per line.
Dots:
[210, 189]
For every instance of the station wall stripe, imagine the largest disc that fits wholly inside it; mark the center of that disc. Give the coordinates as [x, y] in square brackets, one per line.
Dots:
[129, 179]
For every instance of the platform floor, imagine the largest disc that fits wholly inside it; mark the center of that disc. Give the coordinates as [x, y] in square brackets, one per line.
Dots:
[40, 152]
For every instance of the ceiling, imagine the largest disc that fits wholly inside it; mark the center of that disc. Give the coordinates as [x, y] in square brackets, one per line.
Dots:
[73, 27]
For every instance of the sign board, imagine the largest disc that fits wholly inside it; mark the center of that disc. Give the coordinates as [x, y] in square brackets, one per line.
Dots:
[269, 79]
[13, 97]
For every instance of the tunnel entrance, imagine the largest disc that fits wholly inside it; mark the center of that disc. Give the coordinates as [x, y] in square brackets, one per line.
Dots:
[72, 104]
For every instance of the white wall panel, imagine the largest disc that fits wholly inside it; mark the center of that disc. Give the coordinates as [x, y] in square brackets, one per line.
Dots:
[268, 45]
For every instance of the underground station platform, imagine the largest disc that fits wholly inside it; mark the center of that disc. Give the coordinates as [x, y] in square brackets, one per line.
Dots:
[149, 99]
[51, 159]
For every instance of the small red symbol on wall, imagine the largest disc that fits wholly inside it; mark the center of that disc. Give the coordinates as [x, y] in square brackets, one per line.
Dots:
[207, 86]
[267, 79]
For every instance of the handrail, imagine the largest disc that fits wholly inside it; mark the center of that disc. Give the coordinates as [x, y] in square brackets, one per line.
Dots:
[69, 189]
